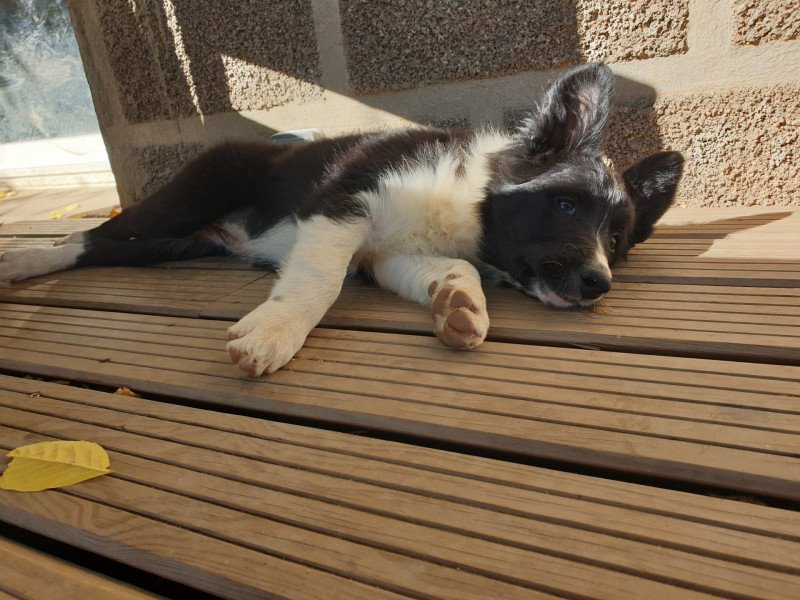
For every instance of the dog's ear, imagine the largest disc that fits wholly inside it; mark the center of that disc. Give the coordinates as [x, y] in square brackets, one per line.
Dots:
[651, 184]
[572, 114]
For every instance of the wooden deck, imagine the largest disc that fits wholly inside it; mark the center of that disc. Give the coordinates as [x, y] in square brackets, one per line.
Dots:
[649, 447]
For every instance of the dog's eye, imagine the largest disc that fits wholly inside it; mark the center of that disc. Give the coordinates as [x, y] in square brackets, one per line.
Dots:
[612, 243]
[566, 205]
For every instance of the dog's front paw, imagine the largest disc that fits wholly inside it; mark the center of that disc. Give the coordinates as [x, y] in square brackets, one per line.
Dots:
[262, 343]
[31, 262]
[459, 314]
[16, 265]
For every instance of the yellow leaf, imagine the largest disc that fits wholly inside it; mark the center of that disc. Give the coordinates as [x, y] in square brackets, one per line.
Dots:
[123, 391]
[56, 215]
[71, 207]
[49, 465]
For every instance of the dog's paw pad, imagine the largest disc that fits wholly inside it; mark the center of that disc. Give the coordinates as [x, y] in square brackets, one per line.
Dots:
[460, 317]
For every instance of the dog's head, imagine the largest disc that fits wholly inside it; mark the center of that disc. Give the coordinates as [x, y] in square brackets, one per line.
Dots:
[556, 217]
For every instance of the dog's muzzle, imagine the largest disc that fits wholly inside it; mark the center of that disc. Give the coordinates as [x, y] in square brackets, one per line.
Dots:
[594, 283]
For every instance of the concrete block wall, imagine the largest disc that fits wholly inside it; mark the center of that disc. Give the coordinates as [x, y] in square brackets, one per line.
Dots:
[716, 79]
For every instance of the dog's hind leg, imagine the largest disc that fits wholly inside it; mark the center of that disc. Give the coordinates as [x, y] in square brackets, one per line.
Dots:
[451, 287]
[31, 262]
[310, 281]
[221, 180]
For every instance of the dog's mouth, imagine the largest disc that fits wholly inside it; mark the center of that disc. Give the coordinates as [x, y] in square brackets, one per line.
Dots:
[540, 290]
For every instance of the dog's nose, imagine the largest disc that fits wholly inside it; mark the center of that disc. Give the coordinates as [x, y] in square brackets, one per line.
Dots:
[594, 283]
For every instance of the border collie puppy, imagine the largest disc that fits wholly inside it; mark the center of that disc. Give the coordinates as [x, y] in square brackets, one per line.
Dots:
[423, 211]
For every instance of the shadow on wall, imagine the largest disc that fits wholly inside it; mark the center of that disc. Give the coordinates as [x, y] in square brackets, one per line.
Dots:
[187, 59]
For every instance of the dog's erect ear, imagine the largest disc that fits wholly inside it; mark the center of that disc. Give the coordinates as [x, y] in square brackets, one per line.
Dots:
[651, 184]
[571, 115]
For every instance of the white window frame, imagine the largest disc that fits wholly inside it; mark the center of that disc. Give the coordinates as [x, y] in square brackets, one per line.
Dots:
[56, 162]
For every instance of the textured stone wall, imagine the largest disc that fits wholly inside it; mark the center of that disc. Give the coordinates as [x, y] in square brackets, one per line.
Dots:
[716, 79]
[765, 21]
[407, 43]
[742, 146]
[614, 31]
[178, 58]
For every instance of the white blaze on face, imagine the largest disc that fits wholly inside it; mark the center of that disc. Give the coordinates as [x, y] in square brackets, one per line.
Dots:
[601, 258]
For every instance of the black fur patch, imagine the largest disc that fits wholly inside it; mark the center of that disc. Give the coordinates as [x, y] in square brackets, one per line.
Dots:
[360, 167]
[143, 252]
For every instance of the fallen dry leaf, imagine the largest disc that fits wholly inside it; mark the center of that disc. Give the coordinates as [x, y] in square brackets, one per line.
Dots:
[48, 465]
[123, 391]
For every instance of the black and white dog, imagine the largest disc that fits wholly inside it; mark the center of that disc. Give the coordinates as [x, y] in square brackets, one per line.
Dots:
[423, 211]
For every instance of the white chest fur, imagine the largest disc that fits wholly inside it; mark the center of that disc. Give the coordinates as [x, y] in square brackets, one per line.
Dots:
[429, 206]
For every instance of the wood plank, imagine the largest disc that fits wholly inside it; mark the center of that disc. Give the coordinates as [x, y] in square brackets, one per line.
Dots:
[700, 331]
[543, 371]
[733, 233]
[32, 574]
[15, 243]
[264, 522]
[572, 488]
[448, 508]
[726, 322]
[206, 334]
[703, 214]
[268, 512]
[194, 559]
[654, 273]
[641, 258]
[49, 228]
[700, 432]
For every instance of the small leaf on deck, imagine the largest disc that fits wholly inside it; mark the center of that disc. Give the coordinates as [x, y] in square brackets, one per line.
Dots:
[49, 465]
[123, 391]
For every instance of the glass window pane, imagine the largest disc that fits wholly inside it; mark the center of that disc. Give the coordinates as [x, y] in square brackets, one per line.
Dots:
[43, 89]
